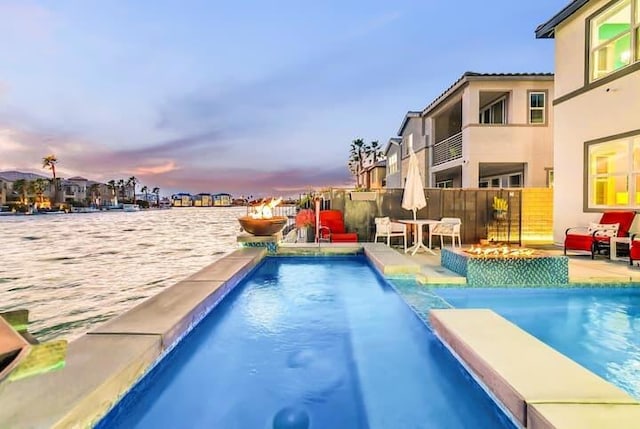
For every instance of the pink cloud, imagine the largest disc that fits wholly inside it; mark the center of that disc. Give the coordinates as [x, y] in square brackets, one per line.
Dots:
[156, 169]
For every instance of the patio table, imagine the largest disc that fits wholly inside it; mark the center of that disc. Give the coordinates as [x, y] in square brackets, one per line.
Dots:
[418, 244]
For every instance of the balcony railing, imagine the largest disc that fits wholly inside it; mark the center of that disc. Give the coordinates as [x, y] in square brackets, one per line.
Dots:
[448, 149]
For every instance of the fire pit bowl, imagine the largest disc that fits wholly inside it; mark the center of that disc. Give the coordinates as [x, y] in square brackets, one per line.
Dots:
[263, 227]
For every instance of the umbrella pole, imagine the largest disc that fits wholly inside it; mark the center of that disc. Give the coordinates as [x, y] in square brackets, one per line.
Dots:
[414, 214]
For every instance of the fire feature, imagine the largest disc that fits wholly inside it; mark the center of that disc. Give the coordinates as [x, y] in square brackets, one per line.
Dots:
[501, 265]
[500, 250]
[261, 222]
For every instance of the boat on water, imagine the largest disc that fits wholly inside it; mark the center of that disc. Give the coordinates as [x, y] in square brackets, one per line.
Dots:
[84, 210]
[131, 207]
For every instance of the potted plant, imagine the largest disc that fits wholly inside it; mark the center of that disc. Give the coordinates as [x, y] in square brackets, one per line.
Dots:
[500, 208]
[305, 220]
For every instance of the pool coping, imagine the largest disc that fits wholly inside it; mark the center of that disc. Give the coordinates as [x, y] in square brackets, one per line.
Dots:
[506, 360]
[106, 362]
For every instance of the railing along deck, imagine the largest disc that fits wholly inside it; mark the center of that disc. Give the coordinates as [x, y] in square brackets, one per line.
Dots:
[448, 149]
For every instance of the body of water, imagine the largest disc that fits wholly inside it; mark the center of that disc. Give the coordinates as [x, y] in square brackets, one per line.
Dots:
[76, 271]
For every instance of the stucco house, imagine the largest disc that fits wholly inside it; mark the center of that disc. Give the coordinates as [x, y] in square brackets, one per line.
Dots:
[393, 155]
[74, 189]
[490, 130]
[412, 133]
[373, 176]
[597, 109]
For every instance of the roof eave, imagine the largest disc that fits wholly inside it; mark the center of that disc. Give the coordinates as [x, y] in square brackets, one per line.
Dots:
[410, 114]
[548, 29]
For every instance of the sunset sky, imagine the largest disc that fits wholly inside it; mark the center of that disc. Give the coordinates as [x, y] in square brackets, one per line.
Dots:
[246, 97]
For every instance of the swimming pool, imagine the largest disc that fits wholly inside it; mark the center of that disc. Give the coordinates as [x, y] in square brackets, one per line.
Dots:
[597, 327]
[318, 342]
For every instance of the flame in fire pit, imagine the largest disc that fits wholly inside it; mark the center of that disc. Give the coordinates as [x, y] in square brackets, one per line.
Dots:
[264, 210]
[499, 250]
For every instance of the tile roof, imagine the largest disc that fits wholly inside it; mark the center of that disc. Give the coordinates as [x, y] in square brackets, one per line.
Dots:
[548, 29]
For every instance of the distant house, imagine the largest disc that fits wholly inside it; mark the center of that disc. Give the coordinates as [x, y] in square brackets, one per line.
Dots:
[596, 106]
[8, 178]
[181, 199]
[222, 200]
[490, 130]
[74, 189]
[393, 155]
[202, 200]
[4, 190]
[373, 176]
[412, 133]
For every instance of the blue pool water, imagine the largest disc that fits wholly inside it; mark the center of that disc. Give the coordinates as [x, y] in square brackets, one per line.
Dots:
[323, 341]
[597, 327]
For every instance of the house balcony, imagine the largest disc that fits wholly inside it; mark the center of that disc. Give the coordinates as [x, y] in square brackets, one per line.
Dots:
[448, 149]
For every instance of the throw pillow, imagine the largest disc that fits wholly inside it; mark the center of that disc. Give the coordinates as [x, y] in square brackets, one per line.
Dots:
[604, 229]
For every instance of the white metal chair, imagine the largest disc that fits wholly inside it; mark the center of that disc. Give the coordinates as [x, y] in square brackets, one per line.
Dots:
[447, 227]
[386, 228]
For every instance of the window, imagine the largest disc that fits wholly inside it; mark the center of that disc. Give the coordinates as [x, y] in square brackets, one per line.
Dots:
[612, 42]
[614, 173]
[393, 163]
[445, 184]
[494, 113]
[490, 182]
[536, 108]
[515, 180]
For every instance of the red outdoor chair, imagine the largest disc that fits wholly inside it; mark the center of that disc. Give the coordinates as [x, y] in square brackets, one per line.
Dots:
[634, 248]
[332, 228]
[596, 238]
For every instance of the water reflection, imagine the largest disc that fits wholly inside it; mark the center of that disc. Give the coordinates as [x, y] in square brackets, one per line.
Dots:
[75, 271]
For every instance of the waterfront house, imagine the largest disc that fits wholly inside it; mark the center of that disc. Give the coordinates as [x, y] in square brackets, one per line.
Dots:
[393, 175]
[596, 104]
[488, 130]
[74, 189]
[8, 178]
[181, 199]
[4, 189]
[222, 199]
[202, 200]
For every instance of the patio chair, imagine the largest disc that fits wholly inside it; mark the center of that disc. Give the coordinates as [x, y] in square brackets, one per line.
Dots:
[634, 249]
[597, 236]
[447, 227]
[332, 228]
[385, 227]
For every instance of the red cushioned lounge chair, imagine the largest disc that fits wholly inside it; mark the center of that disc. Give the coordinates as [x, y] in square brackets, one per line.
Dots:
[332, 228]
[597, 239]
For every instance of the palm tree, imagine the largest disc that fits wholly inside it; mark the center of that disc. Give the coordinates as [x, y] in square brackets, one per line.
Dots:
[121, 185]
[145, 191]
[94, 191]
[359, 152]
[21, 186]
[156, 191]
[132, 181]
[376, 151]
[39, 186]
[111, 184]
[50, 162]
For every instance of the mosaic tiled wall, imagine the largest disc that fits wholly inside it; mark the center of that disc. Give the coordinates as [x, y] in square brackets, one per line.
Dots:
[272, 247]
[546, 270]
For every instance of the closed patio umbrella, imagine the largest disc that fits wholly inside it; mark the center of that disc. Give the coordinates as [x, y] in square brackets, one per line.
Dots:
[413, 194]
